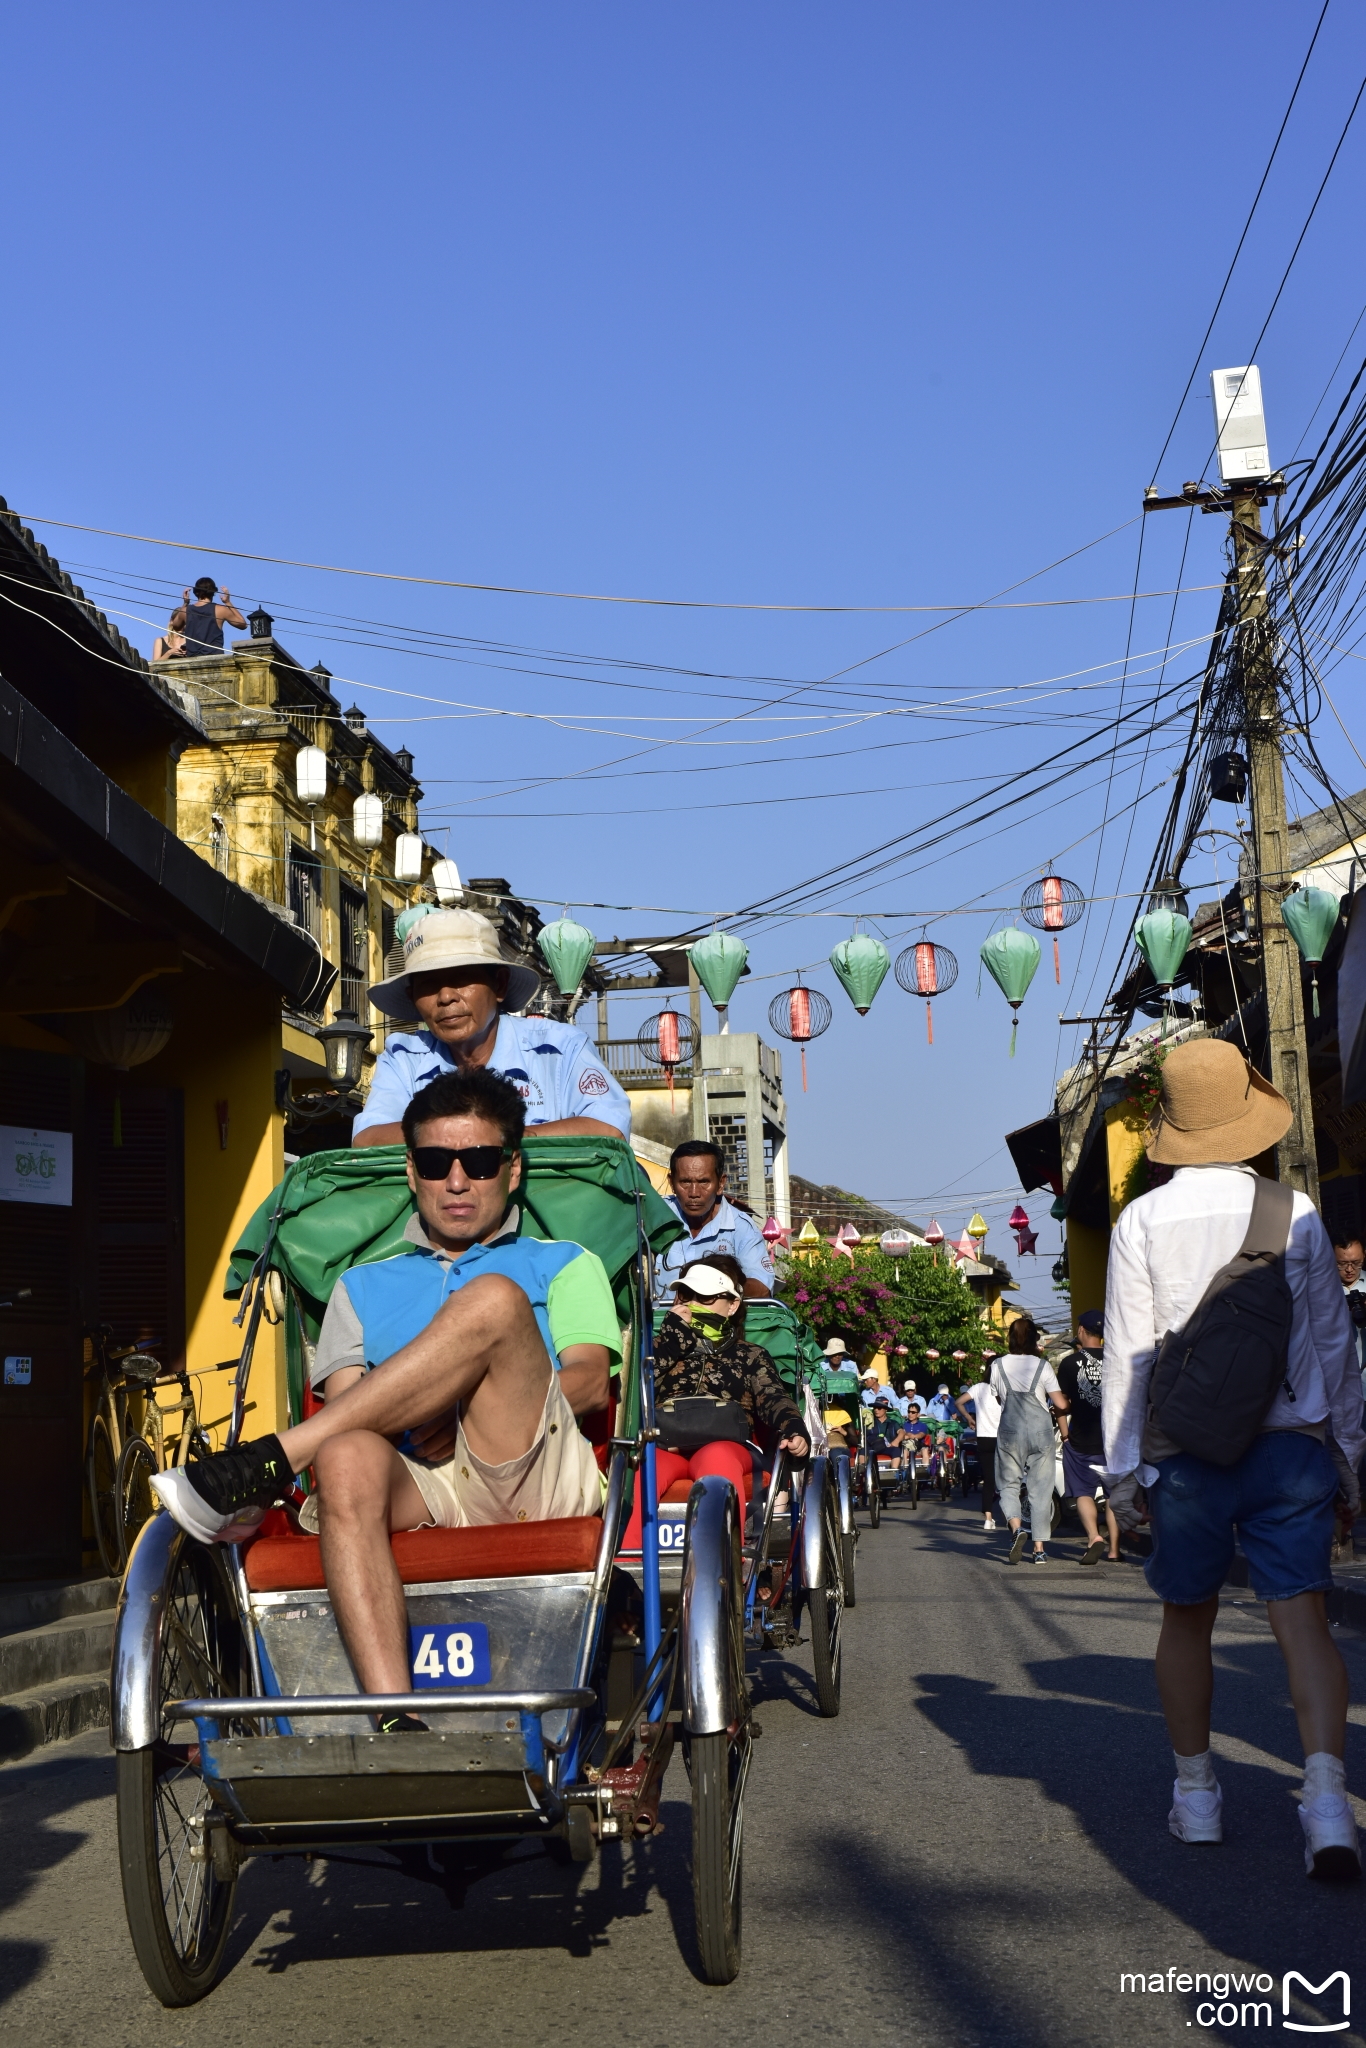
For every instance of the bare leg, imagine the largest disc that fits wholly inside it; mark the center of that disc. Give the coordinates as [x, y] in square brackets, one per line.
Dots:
[1318, 1677]
[1112, 1531]
[1185, 1674]
[364, 1491]
[1086, 1508]
[482, 1349]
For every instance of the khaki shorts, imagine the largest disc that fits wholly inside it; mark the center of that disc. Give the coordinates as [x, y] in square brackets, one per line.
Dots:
[558, 1476]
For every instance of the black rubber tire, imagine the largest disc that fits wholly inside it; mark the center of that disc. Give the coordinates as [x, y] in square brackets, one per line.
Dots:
[847, 1548]
[136, 1500]
[101, 1484]
[823, 1617]
[874, 1502]
[718, 1766]
[179, 1910]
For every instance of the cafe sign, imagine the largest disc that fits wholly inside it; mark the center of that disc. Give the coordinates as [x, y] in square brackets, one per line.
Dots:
[35, 1166]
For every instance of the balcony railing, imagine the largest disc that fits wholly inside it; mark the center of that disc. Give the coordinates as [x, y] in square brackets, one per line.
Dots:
[626, 1063]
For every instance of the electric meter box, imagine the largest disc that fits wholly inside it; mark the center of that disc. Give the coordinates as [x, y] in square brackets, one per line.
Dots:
[1240, 424]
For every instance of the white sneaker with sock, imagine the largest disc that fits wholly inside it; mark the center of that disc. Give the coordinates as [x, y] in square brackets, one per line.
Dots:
[1331, 1849]
[1197, 1816]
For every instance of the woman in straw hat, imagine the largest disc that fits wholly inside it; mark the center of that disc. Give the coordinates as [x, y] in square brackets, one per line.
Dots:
[462, 997]
[1215, 1114]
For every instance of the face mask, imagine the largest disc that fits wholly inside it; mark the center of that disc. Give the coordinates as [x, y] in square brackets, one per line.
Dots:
[708, 1324]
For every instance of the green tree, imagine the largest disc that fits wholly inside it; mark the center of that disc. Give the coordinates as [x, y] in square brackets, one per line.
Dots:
[873, 1299]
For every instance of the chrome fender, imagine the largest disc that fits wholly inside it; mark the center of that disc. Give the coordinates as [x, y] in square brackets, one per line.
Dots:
[842, 1470]
[816, 1506]
[711, 1619]
[133, 1704]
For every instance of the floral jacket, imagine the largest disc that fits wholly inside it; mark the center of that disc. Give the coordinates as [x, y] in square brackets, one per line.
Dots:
[688, 1363]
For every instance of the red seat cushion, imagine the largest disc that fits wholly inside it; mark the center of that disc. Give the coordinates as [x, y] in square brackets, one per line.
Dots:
[500, 1550]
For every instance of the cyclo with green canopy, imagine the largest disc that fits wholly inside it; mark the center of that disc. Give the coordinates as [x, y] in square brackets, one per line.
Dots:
[553, 1682]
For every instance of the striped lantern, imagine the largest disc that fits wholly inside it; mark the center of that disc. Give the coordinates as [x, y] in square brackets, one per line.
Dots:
[927, 970]
[666, 1040]
[800, 1014]
[1052, 905]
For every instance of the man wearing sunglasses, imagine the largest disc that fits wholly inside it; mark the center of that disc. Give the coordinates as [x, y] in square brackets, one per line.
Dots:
[451, 1376]
[456, 1002]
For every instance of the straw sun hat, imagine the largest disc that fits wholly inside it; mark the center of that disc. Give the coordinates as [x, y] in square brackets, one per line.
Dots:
[1214, 1106]
[451, 938]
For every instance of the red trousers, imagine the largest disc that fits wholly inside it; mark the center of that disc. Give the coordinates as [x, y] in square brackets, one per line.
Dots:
[730, 1461]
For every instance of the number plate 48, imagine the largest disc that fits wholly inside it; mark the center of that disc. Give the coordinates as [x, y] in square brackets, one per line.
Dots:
[444, 1657]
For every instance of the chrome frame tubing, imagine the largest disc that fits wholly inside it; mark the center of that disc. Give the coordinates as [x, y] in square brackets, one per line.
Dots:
[778, 1479]
[842, 1468]
[253, 1297]
[711, 1616]
[649, 1494]
[247, 1709]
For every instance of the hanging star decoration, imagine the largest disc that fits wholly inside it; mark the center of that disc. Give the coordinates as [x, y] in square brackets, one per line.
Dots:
[1025, 1238]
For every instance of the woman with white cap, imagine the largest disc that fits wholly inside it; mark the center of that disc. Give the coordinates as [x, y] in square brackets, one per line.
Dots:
[462, 997]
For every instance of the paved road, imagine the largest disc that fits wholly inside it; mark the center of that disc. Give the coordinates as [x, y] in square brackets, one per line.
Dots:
[971, 1854]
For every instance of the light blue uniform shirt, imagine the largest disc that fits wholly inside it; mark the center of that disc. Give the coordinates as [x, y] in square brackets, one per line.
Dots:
[940, 1409]
[553, 1067]
[729, 1230]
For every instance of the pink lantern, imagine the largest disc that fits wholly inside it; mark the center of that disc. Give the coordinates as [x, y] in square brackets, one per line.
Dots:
[960, 1354]
[666, 1040]
[965, 1248]
[931, 1354]
[1018, 1219]
[774, 1233]
[800, 1014]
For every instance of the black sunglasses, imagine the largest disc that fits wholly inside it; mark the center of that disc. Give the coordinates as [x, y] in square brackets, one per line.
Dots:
[477, 1162]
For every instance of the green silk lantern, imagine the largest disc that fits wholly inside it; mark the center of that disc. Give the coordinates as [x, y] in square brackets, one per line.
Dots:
[1311, 917]
[861, 964]
[1011, 958]
[720, 961]
[1163, 938]
[567, 949]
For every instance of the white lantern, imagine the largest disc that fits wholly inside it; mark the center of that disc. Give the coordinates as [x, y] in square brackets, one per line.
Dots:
[310, 775]
[446, 882]
[367, 820]
[408, 857]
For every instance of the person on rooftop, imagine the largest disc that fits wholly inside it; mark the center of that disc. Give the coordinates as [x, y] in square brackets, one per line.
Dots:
[202, 620]
[459, 991]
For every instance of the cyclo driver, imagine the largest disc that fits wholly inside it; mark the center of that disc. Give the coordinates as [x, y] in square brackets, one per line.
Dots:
[452, 1374]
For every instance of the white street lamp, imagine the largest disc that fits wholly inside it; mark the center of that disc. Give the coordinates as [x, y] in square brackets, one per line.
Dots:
[310, 780]
[367, 820]
[408, 857]
[447, 883]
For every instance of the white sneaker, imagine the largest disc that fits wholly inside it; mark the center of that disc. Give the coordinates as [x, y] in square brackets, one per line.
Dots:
[1197, 1816]
[1331, 1849]
[988, 1525]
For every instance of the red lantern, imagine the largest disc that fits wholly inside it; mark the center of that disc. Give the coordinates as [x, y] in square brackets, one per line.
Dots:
[800, 1014]
[666, 1040]
[1052, 905]
[927, 970]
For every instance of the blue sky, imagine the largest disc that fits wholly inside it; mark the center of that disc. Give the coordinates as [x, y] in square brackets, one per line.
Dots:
[881, 305]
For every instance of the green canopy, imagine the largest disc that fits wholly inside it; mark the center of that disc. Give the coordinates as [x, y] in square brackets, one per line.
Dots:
[341, 1209]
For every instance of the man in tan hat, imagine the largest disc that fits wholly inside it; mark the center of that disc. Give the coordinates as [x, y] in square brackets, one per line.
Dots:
[462, 996]
[1216, 1113]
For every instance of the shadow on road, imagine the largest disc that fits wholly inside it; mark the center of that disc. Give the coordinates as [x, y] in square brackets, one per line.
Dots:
[34, 1796]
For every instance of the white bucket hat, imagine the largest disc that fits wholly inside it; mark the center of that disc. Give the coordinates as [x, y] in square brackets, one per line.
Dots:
[451, 938]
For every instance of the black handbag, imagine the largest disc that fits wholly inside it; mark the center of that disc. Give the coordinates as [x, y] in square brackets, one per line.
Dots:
[689, 1421]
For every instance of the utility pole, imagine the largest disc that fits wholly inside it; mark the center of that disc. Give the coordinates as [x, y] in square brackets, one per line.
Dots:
[1242, 497]
[1288, 1047]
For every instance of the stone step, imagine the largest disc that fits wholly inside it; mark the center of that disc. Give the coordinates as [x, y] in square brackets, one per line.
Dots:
[37, 1601]
[51, 1713]
[77, 1646]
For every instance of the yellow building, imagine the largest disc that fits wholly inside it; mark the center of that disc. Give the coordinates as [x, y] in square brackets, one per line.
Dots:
[141, 994]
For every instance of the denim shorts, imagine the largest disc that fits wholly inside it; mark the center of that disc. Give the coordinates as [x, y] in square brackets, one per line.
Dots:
[1279, 1497]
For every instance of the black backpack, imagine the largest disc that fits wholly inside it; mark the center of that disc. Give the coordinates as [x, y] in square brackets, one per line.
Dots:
[1214, 1380]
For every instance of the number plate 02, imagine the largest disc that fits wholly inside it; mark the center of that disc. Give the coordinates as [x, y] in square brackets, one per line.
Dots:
[449, 1656]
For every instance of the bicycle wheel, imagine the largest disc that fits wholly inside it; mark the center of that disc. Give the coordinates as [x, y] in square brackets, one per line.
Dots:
[847, 1550]
[178, 1885]
[825, 1612]
[136, 1501]
[101, 1482]
[874, 1500]
[718, 1765]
